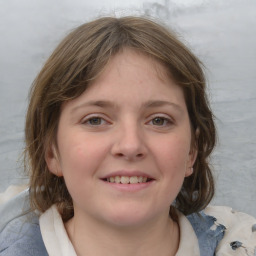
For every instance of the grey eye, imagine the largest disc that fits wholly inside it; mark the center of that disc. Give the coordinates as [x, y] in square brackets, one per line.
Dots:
[159, 121]
[95, 121]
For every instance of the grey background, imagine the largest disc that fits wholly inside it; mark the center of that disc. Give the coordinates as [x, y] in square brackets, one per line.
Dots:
[221, 33]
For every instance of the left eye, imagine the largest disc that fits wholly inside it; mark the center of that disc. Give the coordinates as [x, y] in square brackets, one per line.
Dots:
[160, 121]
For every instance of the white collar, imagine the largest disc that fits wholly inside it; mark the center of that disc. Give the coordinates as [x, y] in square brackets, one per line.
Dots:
[57, 242]
[54, 234]
[188, 239]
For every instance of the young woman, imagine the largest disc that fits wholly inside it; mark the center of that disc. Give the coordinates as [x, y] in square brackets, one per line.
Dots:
[118, 135]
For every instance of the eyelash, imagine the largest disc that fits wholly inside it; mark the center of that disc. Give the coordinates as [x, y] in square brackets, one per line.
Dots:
[88, 119]
[166, 121]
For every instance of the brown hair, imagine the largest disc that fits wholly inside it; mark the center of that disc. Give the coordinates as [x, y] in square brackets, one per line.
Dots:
[78, 60]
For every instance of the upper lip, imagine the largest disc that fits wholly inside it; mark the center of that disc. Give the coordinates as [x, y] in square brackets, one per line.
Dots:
[128, 173]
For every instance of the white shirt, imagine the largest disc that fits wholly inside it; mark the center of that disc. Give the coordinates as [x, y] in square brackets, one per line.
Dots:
[239, 227]
[57, 241]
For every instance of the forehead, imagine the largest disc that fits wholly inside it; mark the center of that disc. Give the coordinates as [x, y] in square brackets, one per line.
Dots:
[134, 79]
[133, 67]
[132, 58]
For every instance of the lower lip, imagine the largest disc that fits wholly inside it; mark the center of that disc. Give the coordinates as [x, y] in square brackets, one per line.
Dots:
[129, 187]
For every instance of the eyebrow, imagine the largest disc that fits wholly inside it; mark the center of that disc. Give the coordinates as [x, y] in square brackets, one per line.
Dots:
[97, 103]
[109, 104]
[161, 103]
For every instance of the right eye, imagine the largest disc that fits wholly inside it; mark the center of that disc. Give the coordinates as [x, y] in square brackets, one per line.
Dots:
[94, 121]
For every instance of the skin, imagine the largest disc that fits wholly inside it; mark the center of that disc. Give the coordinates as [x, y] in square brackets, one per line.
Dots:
[133, 118]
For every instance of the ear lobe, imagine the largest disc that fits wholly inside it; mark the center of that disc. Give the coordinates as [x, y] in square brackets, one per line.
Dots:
[192, 154]
[52, 161]
[190, 163]
[194, 147]
[189, 171]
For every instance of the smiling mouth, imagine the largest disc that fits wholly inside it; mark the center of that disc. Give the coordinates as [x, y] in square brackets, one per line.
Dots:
[127, 179]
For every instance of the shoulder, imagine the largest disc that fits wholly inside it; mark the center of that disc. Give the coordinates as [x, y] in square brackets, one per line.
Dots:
[19, 229]
[225, 231]
[240, 231]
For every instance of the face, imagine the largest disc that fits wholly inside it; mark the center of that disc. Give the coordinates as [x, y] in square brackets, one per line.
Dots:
[124, 145]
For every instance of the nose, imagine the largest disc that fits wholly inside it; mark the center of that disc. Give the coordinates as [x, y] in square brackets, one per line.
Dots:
[129, 143]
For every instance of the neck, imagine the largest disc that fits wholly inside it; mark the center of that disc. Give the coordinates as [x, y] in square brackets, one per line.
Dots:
[95, 239]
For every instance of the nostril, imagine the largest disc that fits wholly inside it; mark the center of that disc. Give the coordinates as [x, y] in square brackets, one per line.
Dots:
[128, 150]
[119, 154]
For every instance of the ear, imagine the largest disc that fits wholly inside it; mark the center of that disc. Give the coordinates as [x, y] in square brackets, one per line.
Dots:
[192, 154]
[52, 161]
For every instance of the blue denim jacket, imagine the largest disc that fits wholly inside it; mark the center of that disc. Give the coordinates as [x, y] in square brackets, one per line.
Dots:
[19, 229]
[20, 232]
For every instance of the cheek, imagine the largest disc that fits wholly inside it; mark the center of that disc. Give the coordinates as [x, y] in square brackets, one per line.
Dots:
[172, 163]
[77, 168]
[174, 152]
[81, 154]
[72, 153]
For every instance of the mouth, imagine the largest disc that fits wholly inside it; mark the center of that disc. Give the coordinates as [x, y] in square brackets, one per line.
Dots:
[127, 179]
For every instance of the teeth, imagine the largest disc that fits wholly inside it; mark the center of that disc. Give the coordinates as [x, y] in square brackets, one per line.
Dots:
[117, 179]
[134, 180]
[127, 180]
